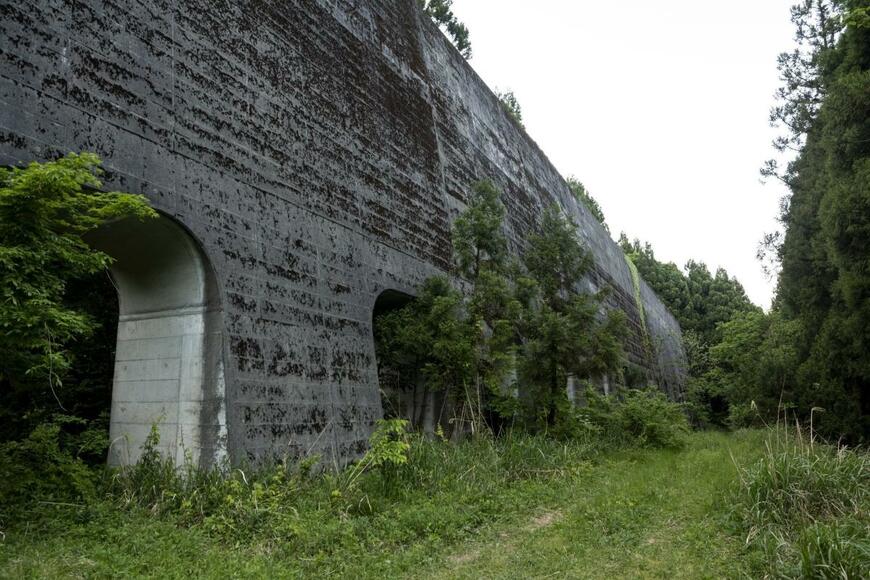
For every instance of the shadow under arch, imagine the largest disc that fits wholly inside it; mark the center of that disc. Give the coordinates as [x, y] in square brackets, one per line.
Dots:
[169, 352]
[405, 396]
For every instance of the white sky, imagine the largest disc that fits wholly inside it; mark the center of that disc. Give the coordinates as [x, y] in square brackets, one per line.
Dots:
[660, 108]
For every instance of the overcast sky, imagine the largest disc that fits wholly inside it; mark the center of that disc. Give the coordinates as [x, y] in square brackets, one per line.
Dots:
[660, 108]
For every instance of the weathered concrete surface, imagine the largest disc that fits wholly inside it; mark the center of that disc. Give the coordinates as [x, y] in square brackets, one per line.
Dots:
[317, 151]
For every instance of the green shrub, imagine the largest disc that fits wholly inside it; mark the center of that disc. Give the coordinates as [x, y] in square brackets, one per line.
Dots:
[389, 445]
[743, 416]
[645, 418]
[45, 469]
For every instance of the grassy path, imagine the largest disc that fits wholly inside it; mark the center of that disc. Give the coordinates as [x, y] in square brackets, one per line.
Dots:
[633, 514]
[641, 514]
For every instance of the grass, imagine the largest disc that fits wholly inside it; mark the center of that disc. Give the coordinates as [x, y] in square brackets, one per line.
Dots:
[640, 514]
[522, 507]
[284, 524]
[806, 508]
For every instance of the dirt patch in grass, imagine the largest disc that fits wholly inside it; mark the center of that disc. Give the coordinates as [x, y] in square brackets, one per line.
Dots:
[543, 520]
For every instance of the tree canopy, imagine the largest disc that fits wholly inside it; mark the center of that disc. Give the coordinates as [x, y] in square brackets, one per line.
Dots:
[824, 281]
[441, 12]
[699, 300]
[45, 210]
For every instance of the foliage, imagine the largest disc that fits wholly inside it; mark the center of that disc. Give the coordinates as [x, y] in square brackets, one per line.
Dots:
[638, 301]
[458, 344]
[45, 210]
[555, 259]
[388, 451]
[754, 362]
[581, 194]
[388, 445]
[429, 340]
[645, 418]
[511, 105]
[806, 507]
[46, 467]
[824, 282]
[817, 25]
[641, 514]
[503, 507]
[705, 306]
[441, 12]
[478, 241]
[534, 318]
[565, 334]
[422, 493]
[493, 307]
[699, 300]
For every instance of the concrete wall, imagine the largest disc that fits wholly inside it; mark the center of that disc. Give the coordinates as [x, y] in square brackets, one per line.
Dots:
[316, 150]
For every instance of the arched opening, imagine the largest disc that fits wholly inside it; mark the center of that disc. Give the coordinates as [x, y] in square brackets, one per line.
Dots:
[404, 392]
[392, 385]
[168, 367]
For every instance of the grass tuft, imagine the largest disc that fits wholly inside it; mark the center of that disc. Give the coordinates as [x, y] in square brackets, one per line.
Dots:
[804, 505]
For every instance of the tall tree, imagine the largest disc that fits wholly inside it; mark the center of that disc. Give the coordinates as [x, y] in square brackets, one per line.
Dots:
[824, 282]
[566, 335]
[821, 317]
[447, 341]
[482, 259]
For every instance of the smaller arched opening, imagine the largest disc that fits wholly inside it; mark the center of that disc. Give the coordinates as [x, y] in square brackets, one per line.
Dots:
[404, 393]
[168, 368]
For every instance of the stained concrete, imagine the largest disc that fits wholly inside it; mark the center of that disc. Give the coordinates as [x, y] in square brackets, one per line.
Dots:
[316, 152]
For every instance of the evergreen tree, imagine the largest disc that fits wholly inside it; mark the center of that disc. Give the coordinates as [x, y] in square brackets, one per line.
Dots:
[429, 341]
[566, 334]
[511, 104]
[824, 282]
[480, 250]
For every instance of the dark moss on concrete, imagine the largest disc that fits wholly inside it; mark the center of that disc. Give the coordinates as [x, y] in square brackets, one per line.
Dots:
[317, 150]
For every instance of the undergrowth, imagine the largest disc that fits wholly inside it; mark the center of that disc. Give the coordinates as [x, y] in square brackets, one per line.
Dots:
[635, 418]
[805, 506]
[407, 490]
[802, 508]
[49, 479]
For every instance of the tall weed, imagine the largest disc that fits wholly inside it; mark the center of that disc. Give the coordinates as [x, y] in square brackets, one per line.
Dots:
[806, 507]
